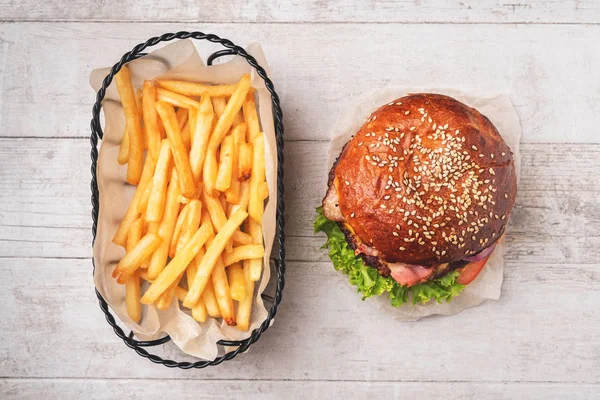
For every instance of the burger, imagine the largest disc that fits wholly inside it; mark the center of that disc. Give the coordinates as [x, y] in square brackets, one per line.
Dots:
[418, 199]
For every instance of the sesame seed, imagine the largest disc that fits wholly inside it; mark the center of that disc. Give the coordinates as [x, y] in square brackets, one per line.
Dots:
[505, 195]
[352, 215]
[399, 103]
[503, 154]
[360, 144]
[412, 128]
[492, 171]
[347, 183]
[401, 248]
[407, 112]
[474, 147]
[395, 234]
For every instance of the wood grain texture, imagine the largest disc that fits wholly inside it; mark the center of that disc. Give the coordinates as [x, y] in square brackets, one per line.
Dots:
[549, 71]
[539, 341]
[51, 389]
[551, 280]
[323, 331]
[379, 11]
[45, 208]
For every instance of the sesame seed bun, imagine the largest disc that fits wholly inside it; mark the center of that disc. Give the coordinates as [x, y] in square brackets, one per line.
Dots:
[426, 180]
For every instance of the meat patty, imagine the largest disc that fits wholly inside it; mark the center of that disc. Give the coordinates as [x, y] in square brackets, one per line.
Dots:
[382, 266]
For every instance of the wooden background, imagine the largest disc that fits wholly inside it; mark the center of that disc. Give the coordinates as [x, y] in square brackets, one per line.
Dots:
[540, 340]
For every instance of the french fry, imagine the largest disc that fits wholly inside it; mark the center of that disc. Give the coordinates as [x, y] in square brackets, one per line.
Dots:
[180, 293]
[182, 116]
[237, 283]
[210, 166]
[175, 99]
[224, 173]
[132, 285]
[223, 292]
[164, 300]
[192, 114]
[132, 297]
[209, 172]
[189, 228]
[220, 130]
[177, 265]
[240, 237]
[197, 89]
[143, 203]
[239, 119]
[245, 161]
[234, 106]
[255, 230]
[245, 252]
[256, 201]
[191, 223]
[180, 153]
[151, 119]
[232, 194]
[223, 201]
[135, 234]
[139, 95]
[210, 300]
[217, 215]
[220, 287]
[143, 274]
[165, 230]
[123, 156]
[208, 295]
[199, 311]
[177, 231]
[244, 308]
[134, 125]
[152, 228]
[219, 104]
[132, 260]
[244, 197]
[213, 252]
[132, 213]
[158, 196]
[186, 136]
[204, 120]
[263, 189]
[251, 117]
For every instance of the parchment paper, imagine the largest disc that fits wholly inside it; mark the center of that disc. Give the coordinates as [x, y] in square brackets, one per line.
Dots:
[179, 60]
[503, 115]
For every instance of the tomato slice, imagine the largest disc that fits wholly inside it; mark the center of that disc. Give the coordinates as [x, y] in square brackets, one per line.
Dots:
[470, 271]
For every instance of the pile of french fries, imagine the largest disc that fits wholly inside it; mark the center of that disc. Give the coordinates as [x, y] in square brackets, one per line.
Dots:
[193, 229]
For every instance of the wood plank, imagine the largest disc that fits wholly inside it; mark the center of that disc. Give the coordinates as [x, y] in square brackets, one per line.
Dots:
[490, 11]
[323, 331]
[45, 208]
[150, 388]
[319, 72]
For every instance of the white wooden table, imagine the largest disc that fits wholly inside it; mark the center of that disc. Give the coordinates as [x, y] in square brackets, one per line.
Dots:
[540, 340]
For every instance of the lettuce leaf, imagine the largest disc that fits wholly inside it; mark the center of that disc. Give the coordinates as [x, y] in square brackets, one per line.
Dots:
[368, 281]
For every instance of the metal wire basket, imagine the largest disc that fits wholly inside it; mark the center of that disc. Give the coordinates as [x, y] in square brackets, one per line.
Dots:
[278, 261]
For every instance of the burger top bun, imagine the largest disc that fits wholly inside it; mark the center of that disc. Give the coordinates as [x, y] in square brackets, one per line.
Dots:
[426, 180]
